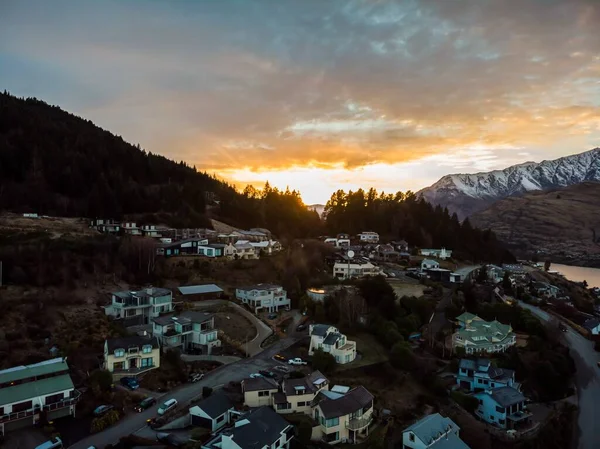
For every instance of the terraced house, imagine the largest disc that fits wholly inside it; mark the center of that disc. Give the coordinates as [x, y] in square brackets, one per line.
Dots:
[190, 332]
[129, 356]
[478, 336]
[30, 394]
[141, 306]
[329, 339]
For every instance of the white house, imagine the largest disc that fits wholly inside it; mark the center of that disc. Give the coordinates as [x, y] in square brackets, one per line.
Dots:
[241, 249]
[368, 237]
[266, 246]
[433, 432]
[264, 297]
[428, 264]
[297, 395]
[26, 391]
[213, 413]
[344, 270]
[140, 305]
[190, 331]
[442, 253]
[329, 339]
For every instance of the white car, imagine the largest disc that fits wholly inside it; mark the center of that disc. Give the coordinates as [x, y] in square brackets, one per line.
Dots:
[255, 375]
[296, 361]
[168, 405]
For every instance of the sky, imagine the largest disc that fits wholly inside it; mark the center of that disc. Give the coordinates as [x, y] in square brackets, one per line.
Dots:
[319, 95]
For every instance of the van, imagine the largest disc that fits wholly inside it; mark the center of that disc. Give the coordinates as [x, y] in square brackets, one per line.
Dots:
[168, 405]
[54, 443]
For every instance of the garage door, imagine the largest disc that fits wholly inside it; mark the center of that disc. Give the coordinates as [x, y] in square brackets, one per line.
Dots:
[18, 424]
[60, 413]
[201, 422]
[465, 385]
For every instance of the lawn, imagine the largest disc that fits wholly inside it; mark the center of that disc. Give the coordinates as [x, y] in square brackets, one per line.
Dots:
[370, 350]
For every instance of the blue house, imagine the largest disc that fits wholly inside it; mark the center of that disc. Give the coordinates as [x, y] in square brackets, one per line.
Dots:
[503, 407]
[433, 432]
[479, 374]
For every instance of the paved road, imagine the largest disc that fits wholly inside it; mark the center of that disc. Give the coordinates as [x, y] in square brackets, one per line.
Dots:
[587, 378]
[223, 375]
[224, 359]
[264, 331]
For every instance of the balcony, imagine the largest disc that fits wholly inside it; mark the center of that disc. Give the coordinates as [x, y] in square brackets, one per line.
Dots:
[359, 423]
[133, 371]
[49, 407]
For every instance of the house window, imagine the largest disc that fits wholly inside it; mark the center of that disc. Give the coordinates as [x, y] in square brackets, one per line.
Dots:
[119, 352]
[22, 406]
[148, 362]
[54, 398]
[118, 366]
[147, 349]
[220, 418]
[486, 382]
[501, 421]
[262, 394]
[499, 409]
[481, 402]
[411, 437]
[491, 417]
[302, 404]
[332, 422]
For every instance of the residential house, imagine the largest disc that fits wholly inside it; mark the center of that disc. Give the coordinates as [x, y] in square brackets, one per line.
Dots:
[343, 236]
[428, 264]
[476, 335]
[264, 231]
[253, 235]
[513, 268]
[329, 339]
[456, 278]
[355, 270]
[480, 374]
[242, 249]
[438, 274]
[297, 395]
[152, 231]
[368, 237]
[331, 241]
[141, 306]
[261, 428]
[211, 249]
[593, 326]
[503, 407]
[495, 274]
[264, 297]
[386, 253]
[259, 391]
[433, 432]
[442, 253]
[28, 391]
[131, 228]
[107, 226]
[213, 412]
[400, 245]
[546, 290]
[187, 247]
[189, 331]
[266, 247]
[343, 416]
[130, 356]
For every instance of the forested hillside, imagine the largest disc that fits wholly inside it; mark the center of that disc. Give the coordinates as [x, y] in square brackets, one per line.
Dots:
[400, 215]
[54, 163]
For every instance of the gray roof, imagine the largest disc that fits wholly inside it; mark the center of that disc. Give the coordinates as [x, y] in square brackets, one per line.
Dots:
[507, 396]
[310, 383]
[129, 342]
[432, 427]
[259, 384]
[199, 289]
[152, 292]
[320, 330]
[476, 365]
[216, 404]
[332, 338]
[37, 369]
[351, 402]
[189, 316]
[217, 245]
[264, 428]
[591, 323]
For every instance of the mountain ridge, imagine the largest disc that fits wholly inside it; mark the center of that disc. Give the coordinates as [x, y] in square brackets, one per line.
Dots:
[467, 194]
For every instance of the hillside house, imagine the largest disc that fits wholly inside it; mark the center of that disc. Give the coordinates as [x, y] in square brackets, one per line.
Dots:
[343, 417]
[241, 249]
[478, 336]
[329, 339]
[264, 297]
[546, 290]
[131, 228]
[480, 374]
[297, 395]
[442, 253]
[433, 432]
[259, 391]
[428, 264]
[187, 247]
[27, 391]
[355, 270]
[494, 273]
[189, 331]
[439, 274]
[213, 412]
[141, 306]
[211, 249]
[503, 407]
[106, 226]
[198, 292]
[368, 237]
[592, 326]
[267, 247]
[130, 356]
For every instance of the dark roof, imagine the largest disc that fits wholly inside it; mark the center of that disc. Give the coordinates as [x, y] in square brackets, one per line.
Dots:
[217, 245]
[320, 330]
[591, 323]
[332, 338]
[189, 316]
[279, 398]
[351, 402]
[500, 373]
[263, 429]
[259, 384]
[311, 383]
[215, 405]
[475, 365]
[163, 320]
[507, 396]
[129, 342]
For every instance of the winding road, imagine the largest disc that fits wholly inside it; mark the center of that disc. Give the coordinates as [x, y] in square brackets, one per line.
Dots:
[587, 378]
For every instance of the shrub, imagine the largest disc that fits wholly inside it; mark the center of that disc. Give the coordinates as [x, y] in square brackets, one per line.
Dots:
[323, 361]
[101, 423]
[206, 392]
[296, 375]
[468, 402]
[101, 381]
[401, 356]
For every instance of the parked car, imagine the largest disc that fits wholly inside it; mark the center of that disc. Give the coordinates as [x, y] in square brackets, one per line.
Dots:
[296, 361]
[102, 409]
[167, 406]
[272, 316]
[130, 382]
[145, 404]
[279, 357]
[301, 328]
[282, 368]
[269, 374]
[195, 377]
[255, 375]
[170, 439]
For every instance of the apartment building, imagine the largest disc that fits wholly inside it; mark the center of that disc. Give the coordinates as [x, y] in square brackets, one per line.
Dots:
[264, 297]
[141, 306]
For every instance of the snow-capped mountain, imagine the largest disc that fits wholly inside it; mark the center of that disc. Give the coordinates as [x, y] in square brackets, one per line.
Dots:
[467, 194]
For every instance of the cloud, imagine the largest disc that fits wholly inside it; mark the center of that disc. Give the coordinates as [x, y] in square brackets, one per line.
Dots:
[265, 86]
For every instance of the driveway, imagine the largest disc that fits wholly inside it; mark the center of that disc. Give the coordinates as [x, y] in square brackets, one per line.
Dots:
[264, 331]
[184, 394]
[587, 378]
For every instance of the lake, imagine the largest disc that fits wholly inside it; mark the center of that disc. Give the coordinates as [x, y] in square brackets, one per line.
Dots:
[578, 274]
